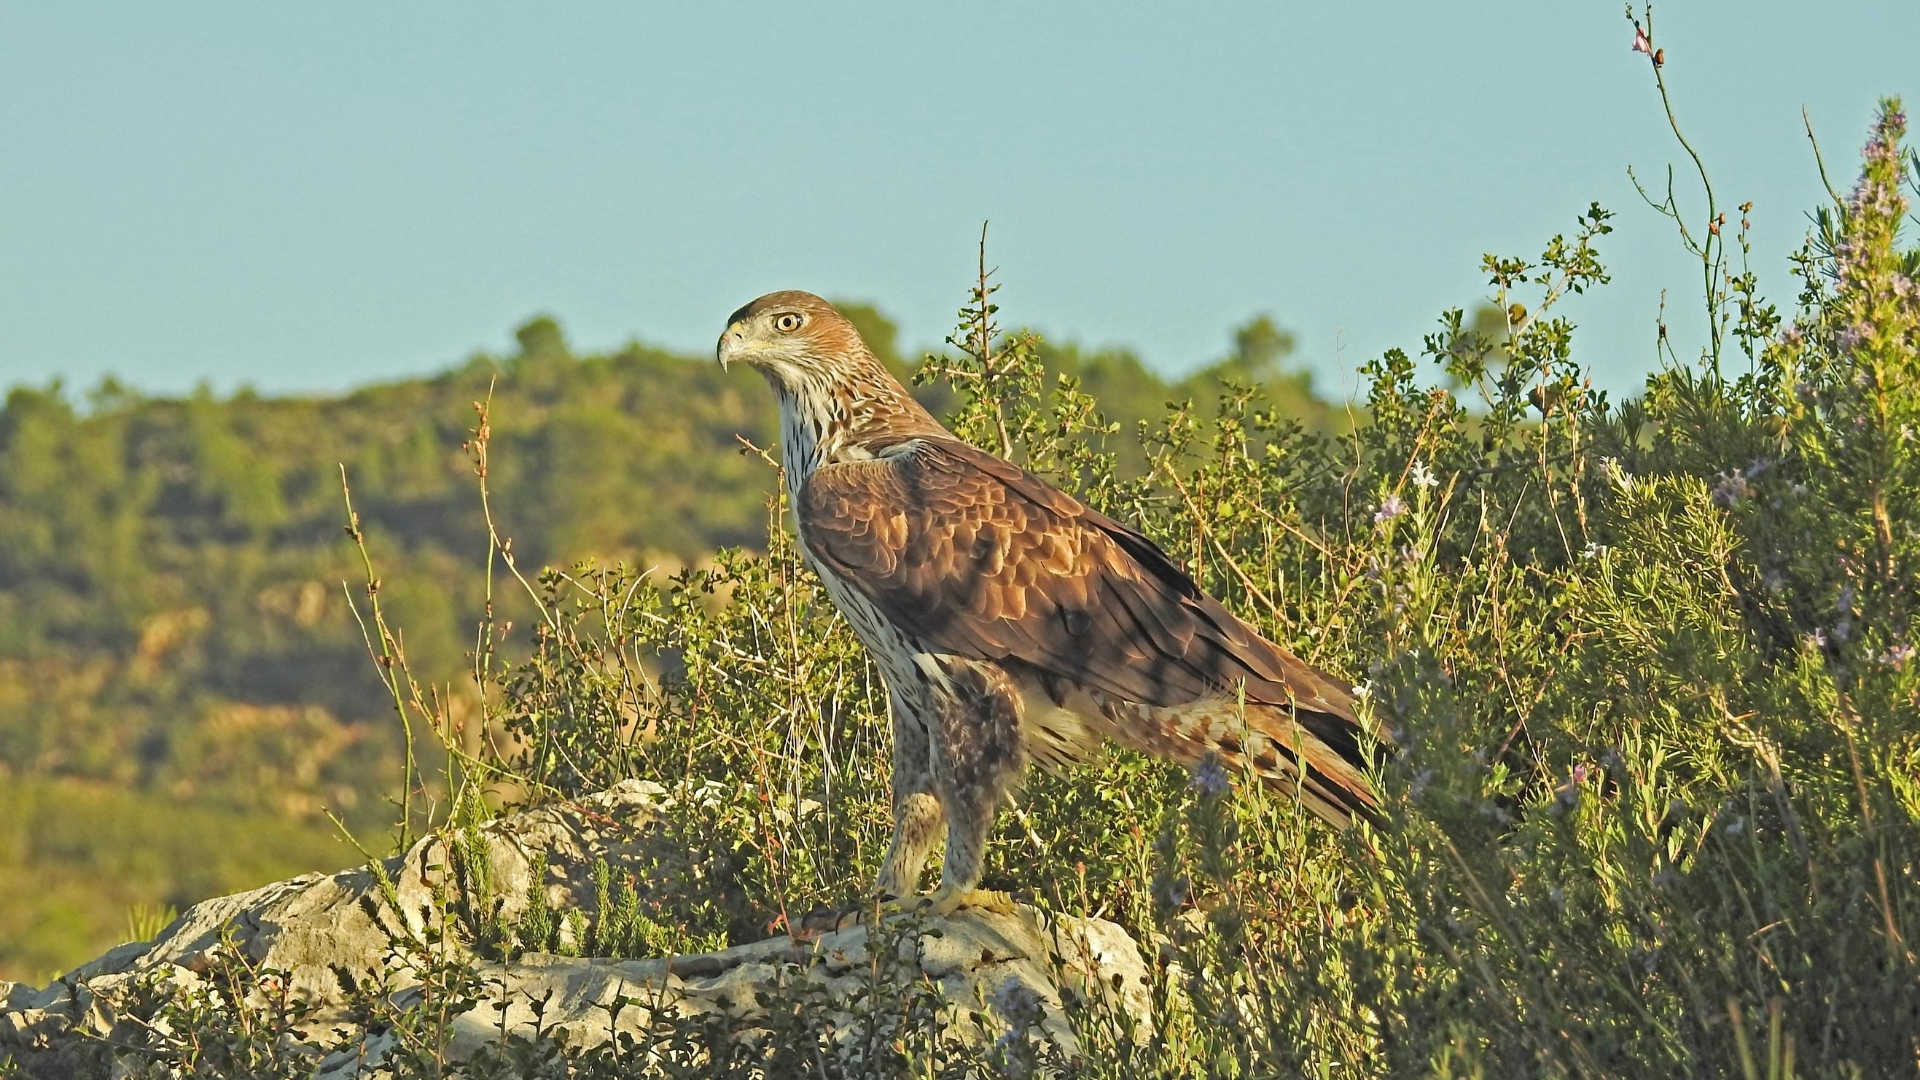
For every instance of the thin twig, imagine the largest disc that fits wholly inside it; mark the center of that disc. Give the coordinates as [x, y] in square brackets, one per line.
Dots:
[983, 344]
[1819, 160]
[387, 656]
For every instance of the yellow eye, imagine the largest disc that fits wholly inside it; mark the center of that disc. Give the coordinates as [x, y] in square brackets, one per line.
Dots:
[787, 322]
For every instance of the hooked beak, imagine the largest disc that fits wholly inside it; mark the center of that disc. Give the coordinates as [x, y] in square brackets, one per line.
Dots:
[730, 342]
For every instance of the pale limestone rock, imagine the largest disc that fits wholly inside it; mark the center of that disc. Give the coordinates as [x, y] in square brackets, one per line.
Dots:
[325, 928]
[971, 957]
[332, 933]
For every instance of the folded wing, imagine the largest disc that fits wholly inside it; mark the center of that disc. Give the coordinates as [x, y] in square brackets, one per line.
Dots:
[976, 557]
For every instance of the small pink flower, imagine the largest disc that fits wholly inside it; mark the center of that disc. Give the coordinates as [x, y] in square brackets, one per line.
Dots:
[1640, 42]
[1730, 488]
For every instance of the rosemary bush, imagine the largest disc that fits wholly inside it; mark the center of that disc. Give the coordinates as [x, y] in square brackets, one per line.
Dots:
[1651, 665]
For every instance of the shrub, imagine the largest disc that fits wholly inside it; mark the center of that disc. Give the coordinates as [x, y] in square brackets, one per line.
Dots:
[1651, 667]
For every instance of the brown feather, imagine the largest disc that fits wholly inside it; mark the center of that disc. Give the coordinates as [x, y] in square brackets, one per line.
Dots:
[986, 561]
[932, 546]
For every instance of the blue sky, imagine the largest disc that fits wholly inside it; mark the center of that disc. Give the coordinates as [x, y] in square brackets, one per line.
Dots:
[311, 197]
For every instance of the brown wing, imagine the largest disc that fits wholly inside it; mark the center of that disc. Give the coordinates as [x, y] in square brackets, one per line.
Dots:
[975, 557]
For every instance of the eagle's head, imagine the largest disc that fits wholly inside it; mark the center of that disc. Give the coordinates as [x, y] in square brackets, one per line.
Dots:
[794, 337]
[833, 393]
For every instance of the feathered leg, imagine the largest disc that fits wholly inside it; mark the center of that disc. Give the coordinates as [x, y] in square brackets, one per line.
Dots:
[917, 815]
[977, 755]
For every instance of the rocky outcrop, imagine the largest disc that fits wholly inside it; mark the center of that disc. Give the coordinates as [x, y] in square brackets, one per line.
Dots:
[334, 954]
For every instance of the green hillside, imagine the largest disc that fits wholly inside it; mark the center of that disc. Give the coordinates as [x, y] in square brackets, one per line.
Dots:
[175, 639]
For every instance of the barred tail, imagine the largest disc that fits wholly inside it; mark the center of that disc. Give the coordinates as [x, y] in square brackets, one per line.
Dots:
[1319, 757]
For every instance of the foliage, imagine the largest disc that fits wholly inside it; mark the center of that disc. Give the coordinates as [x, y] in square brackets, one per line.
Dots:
[171, 618]
[1651, 668]
[82, 861]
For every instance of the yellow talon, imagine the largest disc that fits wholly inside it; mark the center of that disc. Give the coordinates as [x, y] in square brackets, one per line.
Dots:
[944, 901]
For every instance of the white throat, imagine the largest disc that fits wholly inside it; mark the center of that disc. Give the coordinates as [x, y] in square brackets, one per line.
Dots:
[818, 422]
[812, 433]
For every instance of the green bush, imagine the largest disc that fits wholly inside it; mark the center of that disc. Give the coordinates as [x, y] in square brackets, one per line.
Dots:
[1651, 669]
[1657, 809]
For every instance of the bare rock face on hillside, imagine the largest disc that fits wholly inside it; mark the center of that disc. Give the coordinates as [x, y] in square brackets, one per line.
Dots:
[364, 973]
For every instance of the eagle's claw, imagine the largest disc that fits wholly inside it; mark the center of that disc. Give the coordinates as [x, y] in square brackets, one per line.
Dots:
[946, 900]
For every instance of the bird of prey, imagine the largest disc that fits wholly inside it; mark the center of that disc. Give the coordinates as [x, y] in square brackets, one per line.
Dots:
[1010, 621]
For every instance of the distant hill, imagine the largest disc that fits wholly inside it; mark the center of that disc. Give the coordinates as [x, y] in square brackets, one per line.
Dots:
[172, 621]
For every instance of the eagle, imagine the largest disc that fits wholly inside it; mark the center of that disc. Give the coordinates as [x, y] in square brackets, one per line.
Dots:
[1010, 621]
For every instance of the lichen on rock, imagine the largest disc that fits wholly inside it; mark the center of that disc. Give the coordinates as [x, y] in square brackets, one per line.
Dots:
[353, 971]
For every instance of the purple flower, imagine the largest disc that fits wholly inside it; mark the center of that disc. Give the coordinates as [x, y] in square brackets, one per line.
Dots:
[1210, 777]
[1421, 781]
[1390, 507]
[1016, 1003]
[1878, 192]
[1568, 795]
[1641, 44]
[1731, 487]
[1171, 892]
